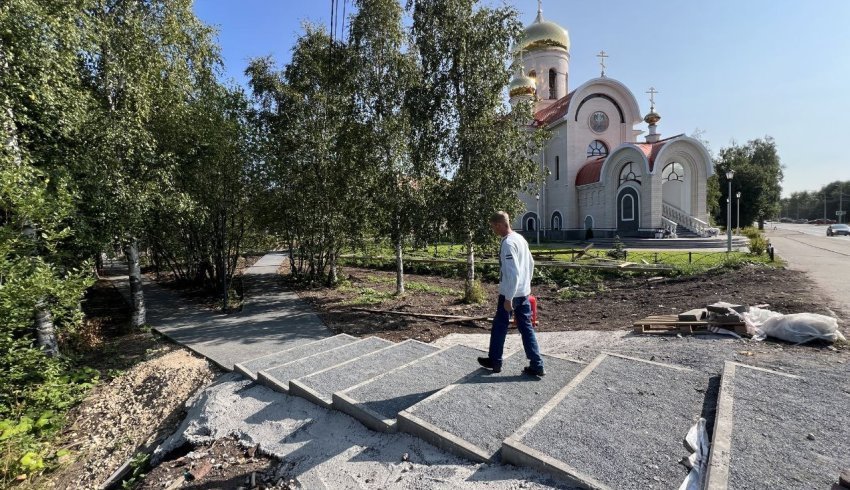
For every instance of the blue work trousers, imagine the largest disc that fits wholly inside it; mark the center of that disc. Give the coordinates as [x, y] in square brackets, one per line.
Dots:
[501, 322]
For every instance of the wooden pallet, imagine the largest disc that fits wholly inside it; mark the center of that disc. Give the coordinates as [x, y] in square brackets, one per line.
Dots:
[670, 324]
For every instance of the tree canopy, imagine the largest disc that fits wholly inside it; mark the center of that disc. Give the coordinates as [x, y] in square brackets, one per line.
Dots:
[758, 177]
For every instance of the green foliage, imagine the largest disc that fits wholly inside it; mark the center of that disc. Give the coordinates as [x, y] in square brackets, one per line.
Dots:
[818, 204]
[474, 293]
[758, 176]
[751, 232]
[618, 251]
[758, 245]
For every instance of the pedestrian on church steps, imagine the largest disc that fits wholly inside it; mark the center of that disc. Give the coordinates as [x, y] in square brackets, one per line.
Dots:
[516, 268]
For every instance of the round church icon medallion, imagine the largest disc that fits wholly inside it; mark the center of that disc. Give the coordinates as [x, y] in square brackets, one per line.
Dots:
[599, 121]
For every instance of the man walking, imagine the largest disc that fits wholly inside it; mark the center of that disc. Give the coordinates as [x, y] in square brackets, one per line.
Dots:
[516, 268]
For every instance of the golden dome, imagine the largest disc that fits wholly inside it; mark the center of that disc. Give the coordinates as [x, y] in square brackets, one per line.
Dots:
[544, 34]
[652, 118]
[521, 85]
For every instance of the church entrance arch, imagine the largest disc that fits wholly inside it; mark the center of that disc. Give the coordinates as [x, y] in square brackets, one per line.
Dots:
[628, 210]
[675, 186]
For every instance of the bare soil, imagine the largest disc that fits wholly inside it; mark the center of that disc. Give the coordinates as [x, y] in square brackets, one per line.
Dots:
[145, 382]
[612, 304]
[220, 465]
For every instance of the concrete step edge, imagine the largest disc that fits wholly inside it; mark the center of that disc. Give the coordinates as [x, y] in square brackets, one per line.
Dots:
[265, 378]
[242, 368]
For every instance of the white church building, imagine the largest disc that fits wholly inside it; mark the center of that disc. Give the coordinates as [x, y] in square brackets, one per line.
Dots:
[598, 175]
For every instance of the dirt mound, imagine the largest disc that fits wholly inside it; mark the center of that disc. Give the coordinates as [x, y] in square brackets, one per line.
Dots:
[127, 413]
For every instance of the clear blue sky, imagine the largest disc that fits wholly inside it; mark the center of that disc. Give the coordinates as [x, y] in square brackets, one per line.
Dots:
[735, 69]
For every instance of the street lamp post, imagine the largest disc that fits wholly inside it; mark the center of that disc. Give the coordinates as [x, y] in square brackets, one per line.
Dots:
[539, 221]
[738, 218]
[729, 175]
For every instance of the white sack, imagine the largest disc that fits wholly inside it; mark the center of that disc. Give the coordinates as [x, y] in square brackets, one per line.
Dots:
[797, 328]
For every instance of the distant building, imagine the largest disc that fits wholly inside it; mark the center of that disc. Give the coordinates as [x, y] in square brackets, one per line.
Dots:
[598, 175]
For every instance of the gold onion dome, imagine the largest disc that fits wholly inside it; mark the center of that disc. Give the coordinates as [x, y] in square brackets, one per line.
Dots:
[544, 34]
[652, 118]
[521, 85]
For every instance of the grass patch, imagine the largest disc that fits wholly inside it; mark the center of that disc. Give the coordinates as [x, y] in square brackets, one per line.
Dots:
[423, 287]
[365, 296]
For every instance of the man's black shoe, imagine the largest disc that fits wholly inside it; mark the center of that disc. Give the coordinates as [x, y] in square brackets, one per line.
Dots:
[533, 371]
[487, 363]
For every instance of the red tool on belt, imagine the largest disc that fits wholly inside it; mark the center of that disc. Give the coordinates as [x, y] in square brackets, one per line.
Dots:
[533, 300]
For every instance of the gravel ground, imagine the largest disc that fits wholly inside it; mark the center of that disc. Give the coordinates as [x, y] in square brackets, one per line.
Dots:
[317, 362]
[781, 438]
[272, 360]
[325, 447]
[328, 382]
[486, 408]
[624, 423]
[404, 387]
[132, 410]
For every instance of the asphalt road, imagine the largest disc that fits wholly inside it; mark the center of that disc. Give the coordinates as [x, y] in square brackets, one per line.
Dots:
[825, 259]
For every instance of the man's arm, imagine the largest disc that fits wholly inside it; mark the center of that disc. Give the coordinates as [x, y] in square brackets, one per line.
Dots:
[510, 274]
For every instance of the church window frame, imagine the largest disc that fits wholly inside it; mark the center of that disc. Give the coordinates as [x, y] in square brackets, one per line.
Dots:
[597, 148]
[553, 84]
[557, 220]
[673, 172]
[530, 223]
[630, 216]
[628, 173]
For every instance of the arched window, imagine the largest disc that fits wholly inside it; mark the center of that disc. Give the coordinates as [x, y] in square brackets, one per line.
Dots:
[557, 168]
[673, 171]
[597, 148]
[628, 207]
[556, 220]
[532, 74]
[531, 224]
[553, 87]
[588, 222]
[629, 173]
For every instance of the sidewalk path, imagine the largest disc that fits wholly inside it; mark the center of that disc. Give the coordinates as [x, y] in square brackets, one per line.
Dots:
[270, 321]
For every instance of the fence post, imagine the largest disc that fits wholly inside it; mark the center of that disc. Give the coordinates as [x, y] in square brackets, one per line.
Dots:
[656, 257]
[690, 257]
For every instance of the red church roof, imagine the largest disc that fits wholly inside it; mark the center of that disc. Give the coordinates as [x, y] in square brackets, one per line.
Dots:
[554, 112]
[651, 149]
[590, 171]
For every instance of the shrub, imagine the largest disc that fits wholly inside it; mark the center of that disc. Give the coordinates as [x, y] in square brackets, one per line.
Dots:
[758, 245]
[474, 294]
[751, 232]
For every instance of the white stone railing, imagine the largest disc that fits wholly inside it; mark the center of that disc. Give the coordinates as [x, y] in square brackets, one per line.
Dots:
[669, 226]
[678, 216]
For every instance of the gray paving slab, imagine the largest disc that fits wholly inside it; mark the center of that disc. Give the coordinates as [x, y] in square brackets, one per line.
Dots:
[320, 387]
[473, 417]
[250, 368]
[779, 431]
[271, 320]
[377, 402]
[277, 378]
[618, 425]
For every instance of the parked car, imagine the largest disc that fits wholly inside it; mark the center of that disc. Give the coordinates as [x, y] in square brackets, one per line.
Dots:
[822, 221]
[839, 229]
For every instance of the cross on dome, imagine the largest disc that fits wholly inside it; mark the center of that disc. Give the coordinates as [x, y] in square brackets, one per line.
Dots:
[652, 93]
[602, 55]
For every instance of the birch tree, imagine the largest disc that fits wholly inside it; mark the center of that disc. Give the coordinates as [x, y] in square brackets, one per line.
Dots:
[464, 50]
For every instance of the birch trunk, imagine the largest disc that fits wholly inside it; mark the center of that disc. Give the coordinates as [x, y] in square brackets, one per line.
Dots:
[45, 330]
[399, 269]
[137, 297]
[470, 266]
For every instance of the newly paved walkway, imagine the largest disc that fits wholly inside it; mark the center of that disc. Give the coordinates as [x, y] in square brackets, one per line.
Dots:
[271, 320]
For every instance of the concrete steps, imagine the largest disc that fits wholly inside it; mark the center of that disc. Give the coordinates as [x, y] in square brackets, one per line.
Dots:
[320, 386]
[377, 402]
[473, 417]
[768, 433]
[618, 424]
[250, 368]
[278, 377]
